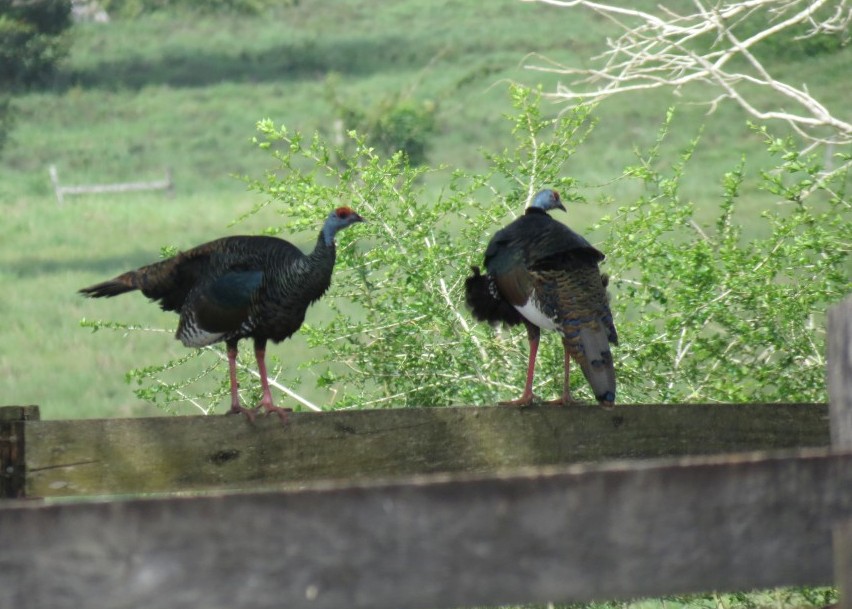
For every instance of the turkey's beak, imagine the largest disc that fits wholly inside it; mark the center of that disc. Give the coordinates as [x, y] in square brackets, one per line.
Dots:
[358, 218]
[562, 207]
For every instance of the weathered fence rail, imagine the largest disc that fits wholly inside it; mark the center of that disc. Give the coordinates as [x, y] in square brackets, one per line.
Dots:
[430, 508]
[173, 454]
[570, 533]
[166, 184]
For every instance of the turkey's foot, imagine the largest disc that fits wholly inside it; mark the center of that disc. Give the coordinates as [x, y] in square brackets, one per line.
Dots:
[564, 401]
[281, 412]
[524, 401]
[250, 413]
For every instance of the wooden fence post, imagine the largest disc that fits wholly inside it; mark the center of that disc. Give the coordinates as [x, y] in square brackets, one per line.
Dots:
[12, 474]
[167, 184]
[839, 360]
[57, 187]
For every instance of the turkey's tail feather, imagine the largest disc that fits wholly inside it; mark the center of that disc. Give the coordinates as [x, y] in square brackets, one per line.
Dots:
[118, 285]
[167, 281]
[590, 348]
[485, 302]
[607, 320]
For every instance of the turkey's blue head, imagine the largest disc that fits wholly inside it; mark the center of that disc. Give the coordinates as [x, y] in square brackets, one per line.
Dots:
[338, 219]
[546, 200]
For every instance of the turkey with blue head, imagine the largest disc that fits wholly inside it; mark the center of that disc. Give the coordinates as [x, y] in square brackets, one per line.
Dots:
[540, 273]
[238, 287]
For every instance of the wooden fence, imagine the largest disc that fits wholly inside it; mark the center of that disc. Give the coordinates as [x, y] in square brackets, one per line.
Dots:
[429, 508]
[166, 184]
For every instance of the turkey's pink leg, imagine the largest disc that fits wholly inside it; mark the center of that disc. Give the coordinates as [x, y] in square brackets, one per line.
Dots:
[236, 407]
[566, 399]
[533, 334]
[266, 400]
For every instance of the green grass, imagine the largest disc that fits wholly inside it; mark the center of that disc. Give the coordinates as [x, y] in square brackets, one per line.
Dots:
[184, 93]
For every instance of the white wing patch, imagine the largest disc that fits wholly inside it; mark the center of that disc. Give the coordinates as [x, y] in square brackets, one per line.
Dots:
[196, 337]
[191, 335]
[536, 316]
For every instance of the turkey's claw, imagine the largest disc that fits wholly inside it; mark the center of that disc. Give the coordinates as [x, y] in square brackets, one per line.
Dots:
[250, 413]
[522, 402]
[281, 412]
[564, 401]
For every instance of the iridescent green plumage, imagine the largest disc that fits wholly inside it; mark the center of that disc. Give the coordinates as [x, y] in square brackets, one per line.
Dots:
[549, 276]
[238, 287]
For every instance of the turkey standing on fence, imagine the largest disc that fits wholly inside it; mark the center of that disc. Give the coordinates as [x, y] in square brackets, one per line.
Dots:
[238, 287]
[542, 274]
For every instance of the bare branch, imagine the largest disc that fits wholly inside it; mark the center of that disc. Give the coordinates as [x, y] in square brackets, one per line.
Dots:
[674, 50]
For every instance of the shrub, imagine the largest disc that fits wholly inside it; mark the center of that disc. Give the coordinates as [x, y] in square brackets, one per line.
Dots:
[704, 314]
[713, 315]
[134, 8]
[6, 120]
[32, 40]
[397, 123]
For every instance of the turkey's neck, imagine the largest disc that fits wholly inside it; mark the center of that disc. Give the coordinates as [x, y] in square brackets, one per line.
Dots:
[321, 260]
[327, 236]
[309, 277]
[325, 247]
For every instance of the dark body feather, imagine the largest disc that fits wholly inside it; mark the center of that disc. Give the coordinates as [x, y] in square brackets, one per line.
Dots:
[233, 288]
[237, 287]
[541, 273]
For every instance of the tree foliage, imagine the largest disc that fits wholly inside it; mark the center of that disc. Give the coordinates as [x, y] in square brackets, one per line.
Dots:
[6, 120]
[134, 8]
[396, 123]
[719, 316]
[705, 313]
[33, 39]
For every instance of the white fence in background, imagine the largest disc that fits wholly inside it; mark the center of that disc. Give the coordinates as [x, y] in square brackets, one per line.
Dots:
[167, 184]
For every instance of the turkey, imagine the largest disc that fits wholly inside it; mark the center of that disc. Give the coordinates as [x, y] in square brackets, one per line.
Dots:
[542, 274]
[238, 287]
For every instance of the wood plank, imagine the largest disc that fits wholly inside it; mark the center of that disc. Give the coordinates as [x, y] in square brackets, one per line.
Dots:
[842, 540]
[565, 534]
[168, 454]
[839, 372]
[12, 449]
[839, 363]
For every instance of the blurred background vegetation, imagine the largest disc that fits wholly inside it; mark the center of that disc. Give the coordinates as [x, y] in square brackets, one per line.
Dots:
[181, 85]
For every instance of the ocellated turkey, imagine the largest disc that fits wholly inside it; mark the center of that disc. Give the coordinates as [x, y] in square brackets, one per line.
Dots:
[238, 287]
[540, 273]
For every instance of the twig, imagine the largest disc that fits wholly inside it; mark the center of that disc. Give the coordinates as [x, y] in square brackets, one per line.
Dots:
[272, 382]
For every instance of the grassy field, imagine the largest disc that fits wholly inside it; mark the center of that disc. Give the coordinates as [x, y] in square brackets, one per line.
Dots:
[185, 93]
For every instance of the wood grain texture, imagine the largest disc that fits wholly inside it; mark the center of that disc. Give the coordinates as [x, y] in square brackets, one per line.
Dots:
[839, 360]
[842, 535]
[839, 364]
[569, 533]
[12, 449]
[168, 454]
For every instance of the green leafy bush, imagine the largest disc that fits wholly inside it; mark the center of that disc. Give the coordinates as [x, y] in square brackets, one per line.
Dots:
[715, 316]
[704, 313]
[397, 123]
[7, 117]
[32, 40]
[133, 8]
